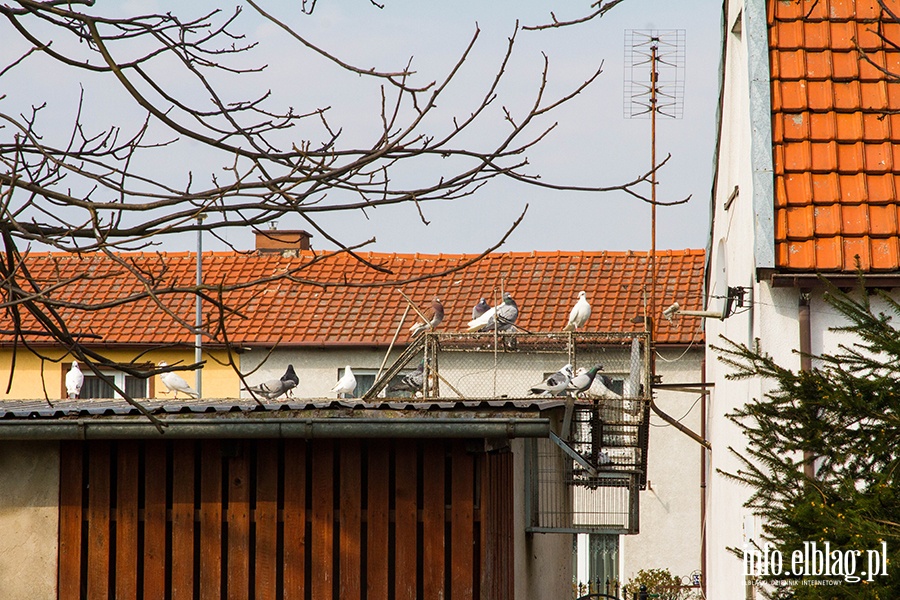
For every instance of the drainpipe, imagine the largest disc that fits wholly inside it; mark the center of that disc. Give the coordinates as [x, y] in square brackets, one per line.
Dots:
[703, 451]
[805, 363]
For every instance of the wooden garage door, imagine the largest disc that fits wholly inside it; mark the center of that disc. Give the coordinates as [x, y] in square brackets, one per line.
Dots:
[269, 519]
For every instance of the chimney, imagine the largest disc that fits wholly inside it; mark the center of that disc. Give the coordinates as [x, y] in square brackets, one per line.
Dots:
[287, 242]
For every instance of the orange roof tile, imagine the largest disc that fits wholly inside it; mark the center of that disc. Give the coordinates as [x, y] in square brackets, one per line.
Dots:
[345, 311]
[836, 154]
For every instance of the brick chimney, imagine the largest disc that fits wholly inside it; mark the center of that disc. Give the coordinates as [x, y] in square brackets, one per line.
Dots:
[282, 241]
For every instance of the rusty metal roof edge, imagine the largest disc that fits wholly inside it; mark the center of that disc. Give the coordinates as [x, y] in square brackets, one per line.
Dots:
[187, 427]
[244, 408]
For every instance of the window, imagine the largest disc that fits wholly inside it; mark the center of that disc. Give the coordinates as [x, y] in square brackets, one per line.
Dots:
[95, 387]
[597, 562]
[365, 379]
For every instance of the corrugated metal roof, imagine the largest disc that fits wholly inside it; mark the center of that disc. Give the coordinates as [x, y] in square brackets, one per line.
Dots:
[66, 409]
[836, 158]
[338, 300]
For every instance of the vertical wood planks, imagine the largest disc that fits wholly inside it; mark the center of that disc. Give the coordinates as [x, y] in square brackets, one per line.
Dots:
[350, 520]
[497, 532]
[210, 520]
[322, 520]
[331, 542]
[155, 519]
[294, 519]
[98, 521]
[266, 518]
[182, 520]
[405, 520]
[127, 521]
[433, 520]
[237, 563]
[71, 484]
[462, 529]
[377, 520]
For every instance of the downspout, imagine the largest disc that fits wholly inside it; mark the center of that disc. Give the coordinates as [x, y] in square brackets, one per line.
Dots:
[805, 363]
[703, 450]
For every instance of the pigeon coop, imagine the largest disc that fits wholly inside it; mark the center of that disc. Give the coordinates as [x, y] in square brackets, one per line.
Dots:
[586, 478]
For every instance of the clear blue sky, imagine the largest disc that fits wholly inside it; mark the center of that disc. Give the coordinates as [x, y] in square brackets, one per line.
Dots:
[593, 144]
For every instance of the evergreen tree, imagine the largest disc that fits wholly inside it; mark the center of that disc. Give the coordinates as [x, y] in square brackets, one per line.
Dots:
[842, 417]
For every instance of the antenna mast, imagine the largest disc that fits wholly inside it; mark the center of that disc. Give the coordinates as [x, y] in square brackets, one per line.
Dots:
[654, 84]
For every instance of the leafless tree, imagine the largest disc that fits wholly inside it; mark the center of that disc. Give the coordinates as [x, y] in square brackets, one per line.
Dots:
[81, 189]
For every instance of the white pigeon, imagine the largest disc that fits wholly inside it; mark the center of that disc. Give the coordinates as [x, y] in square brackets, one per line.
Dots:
[74, 380]
[602, 388]
[346, 384]
[506, 313]
[556, 384]
[176, 383]
[580, 313]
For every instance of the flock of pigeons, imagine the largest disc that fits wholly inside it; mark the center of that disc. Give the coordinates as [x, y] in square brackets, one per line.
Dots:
[484, 318]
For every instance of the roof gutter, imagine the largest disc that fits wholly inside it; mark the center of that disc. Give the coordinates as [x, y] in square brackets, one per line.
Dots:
[192, 428]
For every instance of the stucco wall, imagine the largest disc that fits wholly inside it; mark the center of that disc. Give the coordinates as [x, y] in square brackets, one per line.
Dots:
[543, 561]
[33, 377]
[670, 506]
[29, 498]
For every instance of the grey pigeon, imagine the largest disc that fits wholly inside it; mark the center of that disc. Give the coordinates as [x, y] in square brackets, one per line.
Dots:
[436, 318]
[583, 379]
[410, 382]
[480, 308]
[556, 384]
[502, 317]
[276, 387]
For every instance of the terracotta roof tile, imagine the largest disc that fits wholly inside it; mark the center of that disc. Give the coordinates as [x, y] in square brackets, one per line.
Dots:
[544, 284]
[836, 150]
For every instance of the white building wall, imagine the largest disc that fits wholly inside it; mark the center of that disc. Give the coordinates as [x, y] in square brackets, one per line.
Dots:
[769, 314]
[670, 506]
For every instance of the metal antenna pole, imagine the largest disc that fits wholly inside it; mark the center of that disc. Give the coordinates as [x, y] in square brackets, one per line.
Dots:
[198, 309]
[654, 76]
[654, 84]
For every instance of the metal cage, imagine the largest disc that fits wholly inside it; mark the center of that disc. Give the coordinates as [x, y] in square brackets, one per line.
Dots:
[586, 478]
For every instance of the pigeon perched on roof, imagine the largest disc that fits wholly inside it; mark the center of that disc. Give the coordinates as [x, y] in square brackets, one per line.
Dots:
[583, 379]
[74, 380]
[176, 383]
[436, 318]
[556, 384]
[579, 314]
[480, 308]
[346, 384]
[503, 316]
[409, 382]
[276, 387]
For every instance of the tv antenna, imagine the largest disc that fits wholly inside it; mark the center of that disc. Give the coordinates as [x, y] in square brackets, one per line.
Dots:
[654, 85]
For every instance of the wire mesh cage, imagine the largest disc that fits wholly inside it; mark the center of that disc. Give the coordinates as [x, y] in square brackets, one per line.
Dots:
[586, 479]
[491, 365]
[559, 499]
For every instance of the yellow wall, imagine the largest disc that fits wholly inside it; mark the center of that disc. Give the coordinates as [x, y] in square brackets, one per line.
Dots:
[35, 378]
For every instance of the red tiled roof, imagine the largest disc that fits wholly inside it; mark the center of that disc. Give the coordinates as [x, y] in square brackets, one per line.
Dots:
[544, 285]
[836, 157]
